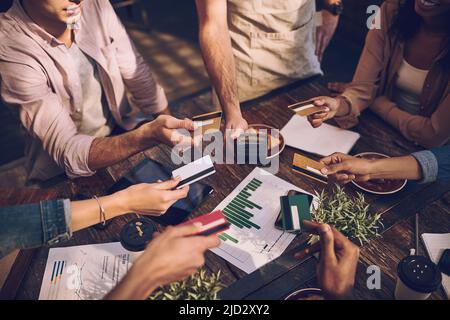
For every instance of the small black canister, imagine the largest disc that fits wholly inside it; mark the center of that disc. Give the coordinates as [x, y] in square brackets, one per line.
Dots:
[136, 234]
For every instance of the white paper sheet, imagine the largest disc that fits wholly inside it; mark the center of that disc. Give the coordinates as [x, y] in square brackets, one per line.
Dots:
[84, 272]
[325, 140]
[435, 244]
[252, 246]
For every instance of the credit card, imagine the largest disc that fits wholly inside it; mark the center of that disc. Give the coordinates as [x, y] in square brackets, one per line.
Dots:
[209, 122]
[294, 210]
[194, 171]
[305, 108]
[309, 168]
[212, 223]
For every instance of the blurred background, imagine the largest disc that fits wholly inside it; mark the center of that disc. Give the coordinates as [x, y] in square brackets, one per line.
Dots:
[165, 32]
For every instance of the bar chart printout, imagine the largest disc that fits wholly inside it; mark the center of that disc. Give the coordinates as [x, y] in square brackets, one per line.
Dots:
[252, 209]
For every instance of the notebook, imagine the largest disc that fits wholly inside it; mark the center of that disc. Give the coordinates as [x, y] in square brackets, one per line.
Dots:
[436, 243]
[325, 140]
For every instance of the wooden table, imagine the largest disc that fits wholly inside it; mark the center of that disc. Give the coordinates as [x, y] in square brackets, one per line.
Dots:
[276, 279]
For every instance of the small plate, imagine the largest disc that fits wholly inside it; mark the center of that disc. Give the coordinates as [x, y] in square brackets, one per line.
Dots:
[379, 187]
[306, 294]
[273, 152]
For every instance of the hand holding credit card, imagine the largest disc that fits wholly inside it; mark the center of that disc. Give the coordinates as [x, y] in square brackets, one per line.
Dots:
[212, 223]
[309, 168]
[306, 108]
[194, 171]
[209, 122]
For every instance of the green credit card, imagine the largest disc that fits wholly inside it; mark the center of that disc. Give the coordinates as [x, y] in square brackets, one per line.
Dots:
[295, 209]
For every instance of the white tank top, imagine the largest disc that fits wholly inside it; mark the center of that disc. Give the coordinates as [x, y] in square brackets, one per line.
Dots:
[409, 85]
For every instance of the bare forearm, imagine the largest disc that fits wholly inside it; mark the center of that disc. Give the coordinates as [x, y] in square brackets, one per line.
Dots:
[215, 43]
[108, 151]
[86, 213]
[396, 168]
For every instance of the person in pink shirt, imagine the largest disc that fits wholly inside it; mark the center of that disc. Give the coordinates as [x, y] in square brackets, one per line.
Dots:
[71, 72]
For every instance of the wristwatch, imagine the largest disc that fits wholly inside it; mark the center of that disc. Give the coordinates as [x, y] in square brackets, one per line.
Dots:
[335, 8]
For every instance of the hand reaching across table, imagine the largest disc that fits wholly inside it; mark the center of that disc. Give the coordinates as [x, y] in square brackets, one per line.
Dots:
[165, 130]
[171, 256]
[344, 168]
[154, 198]
[338, 261]
[236, 124]
[332, 109]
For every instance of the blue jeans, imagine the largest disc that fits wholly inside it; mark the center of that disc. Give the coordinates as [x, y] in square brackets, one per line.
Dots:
[34, 225]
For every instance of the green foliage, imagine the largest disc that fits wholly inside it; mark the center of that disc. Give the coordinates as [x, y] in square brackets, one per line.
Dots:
[199, 286]
[348, 215]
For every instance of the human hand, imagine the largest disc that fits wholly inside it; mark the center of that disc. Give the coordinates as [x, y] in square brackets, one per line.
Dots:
[338, 261]
[165, 129]
[151, 199]
[170, 256]
[236, 124]
[331, 107]
[343, 168]
[176, 253]
[325, 32]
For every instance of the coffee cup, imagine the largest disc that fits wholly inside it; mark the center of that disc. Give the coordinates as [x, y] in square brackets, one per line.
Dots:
[417, 278]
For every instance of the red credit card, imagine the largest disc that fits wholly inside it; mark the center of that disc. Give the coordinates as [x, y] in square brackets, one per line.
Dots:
[212, 223]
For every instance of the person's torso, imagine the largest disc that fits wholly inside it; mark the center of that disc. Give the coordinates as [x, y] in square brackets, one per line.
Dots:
[94, 117]
[409, 85]
[19, 33]
[437, 83]
[273, 43]
[51, 56]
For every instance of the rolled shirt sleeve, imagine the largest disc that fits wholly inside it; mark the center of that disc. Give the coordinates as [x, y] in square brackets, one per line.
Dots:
[34, 225]
[442, 155]
[44, 117]
[429, 164]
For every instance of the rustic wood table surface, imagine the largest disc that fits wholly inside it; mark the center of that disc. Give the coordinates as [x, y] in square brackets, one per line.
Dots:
[277, 279]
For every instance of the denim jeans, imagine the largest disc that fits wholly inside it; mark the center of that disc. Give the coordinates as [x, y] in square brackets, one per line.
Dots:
[34, 225]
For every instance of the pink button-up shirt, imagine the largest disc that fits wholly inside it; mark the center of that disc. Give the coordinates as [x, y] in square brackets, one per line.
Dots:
[39, 81]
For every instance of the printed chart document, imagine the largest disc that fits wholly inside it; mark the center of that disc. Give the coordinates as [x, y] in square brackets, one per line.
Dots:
[252, 208]
[325, 140]
[436, 243]
[84, 272]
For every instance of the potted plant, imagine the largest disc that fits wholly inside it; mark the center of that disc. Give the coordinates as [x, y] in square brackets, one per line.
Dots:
[199, 286]
[349, 215]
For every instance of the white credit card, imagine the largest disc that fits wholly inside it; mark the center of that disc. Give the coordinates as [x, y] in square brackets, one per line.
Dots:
[301, 108]
[203, 123]
[194, 171]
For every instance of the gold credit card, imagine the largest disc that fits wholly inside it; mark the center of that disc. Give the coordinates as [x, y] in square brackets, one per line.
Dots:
[309, 167]
[209, 122]
[305, 108]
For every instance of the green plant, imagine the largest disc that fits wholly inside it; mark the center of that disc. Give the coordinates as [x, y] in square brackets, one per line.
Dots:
[199, 286]
[348, 215]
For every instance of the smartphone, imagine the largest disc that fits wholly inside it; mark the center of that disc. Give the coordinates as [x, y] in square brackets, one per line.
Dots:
[150, 171]
[279, 221]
